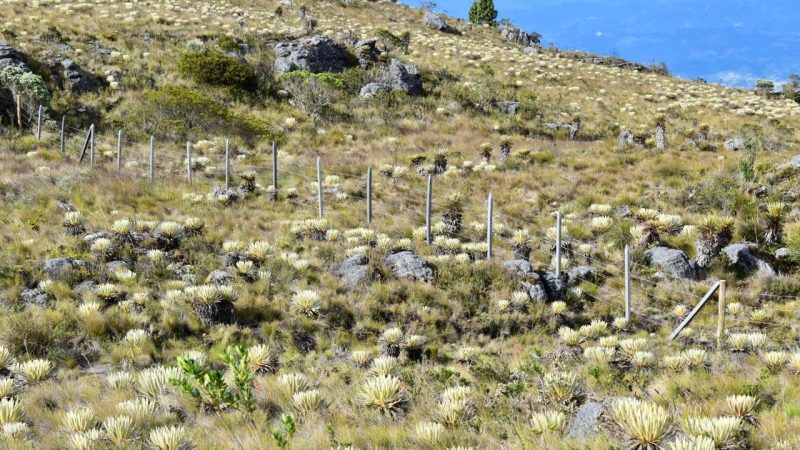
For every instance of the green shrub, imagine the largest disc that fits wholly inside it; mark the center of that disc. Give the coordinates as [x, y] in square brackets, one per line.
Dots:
[482, 12]
[214, 68]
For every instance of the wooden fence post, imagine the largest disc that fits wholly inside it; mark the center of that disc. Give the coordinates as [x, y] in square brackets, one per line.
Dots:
[489, 225]
[694, 311]
[275, 165]
[428, 207]
[227, 163]
[39, 124]
[721, 312]
[152, 160]
[627, 284]
[119, 149]
[63, 144]
[19, 111]
[558, 243]
[369, 196]
[319, 185]
[91, 146]
[188, 162]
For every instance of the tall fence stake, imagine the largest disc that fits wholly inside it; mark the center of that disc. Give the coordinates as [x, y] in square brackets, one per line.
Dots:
[91, 145]
[489, 225]
[275, 165]
[188, 162]
[119, 149]
[227, 163]
[428, 207]
[152, 159]
[319, 185]
[627, 284]
[558, 243]
[721, 312]
[63, 121]
[85, 145]
[39, 124]
[369, 195]
[694, 312]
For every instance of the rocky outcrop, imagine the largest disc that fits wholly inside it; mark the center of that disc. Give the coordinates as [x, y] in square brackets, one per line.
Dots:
[58, 268]
[519, 36]
[507, 106]
[407, 265]
[437, 22]
[571, 127]
[354, 271]
[745, 259]
[78, 80]
[672, 261]
[10, 56]
[397, 77]
[540, 287]
[367, 52]
[315, 54]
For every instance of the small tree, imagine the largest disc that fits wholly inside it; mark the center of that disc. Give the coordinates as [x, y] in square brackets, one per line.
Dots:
[764, 87]
[29, 89]
[483, 12]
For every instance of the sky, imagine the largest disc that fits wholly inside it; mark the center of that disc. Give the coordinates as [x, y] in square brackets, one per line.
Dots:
[733, 42]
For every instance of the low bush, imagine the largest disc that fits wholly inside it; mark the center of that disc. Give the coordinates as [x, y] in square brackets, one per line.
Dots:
[214, 68]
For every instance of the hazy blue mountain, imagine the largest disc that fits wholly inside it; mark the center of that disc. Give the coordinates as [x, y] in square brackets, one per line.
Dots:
[727, 41]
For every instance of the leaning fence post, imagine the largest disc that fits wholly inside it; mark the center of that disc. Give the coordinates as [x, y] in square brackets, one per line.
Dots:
[721, 312]
[369, 195]
[627, 284]
[489, 225]
[152, 160]
[227, 163]
[188, 162]
[274, 165]
[91, 146]
[428, 207]
[119, 149]
[558, 243]
[63, 121]
[694, 311]
[39, 124]
[319, 185]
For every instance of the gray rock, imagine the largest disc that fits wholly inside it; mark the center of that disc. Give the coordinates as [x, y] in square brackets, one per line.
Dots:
[78, 80]
[61, 267]
[219, 277]
[580, 274]
[377, 87]
[407, 265]
[782, 253]
[571, 127]
[518, 36]
[794, 162]
[315, 54]
[625, 138]
[535, 289]
[735, 144]
[354, 271]
[10, 56]
[91, 237]
[113, 266]
[556, 287]
[518, 267]
[34, 296]
[84, 287]
[398, 77]
[436, 21]
[587, 421]
[507, 107]
[367, 52]
[742, 257]
[673, 261]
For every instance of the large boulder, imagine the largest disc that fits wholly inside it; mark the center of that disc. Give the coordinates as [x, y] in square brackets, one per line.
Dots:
[673, 261]
[57, 268]
[407, 265]
[744, 258]
[10, 56]
[398, 77]
[354, 271]
[78, 80]
[367, 52]
[437, 22]
[519, 36]
[315, 54]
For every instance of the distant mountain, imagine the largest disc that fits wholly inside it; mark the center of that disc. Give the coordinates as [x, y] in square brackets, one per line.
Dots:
[733, 42]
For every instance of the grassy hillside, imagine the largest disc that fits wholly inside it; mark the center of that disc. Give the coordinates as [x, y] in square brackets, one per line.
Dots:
[210, 318]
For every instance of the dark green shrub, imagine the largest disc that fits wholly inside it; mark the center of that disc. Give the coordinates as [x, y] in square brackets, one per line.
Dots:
[482, 12]
[214, 68]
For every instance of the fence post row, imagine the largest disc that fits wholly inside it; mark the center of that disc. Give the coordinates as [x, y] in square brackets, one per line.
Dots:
[558, 244]
[188, 162]
[627, 284]
[369, 195]
[319, 185]
[489, 225]
[428, 207]
[119, 149]
[152, 158]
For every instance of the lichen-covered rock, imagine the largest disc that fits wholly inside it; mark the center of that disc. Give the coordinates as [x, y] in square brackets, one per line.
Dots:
[407, 265]
[61, 267]
[555, 286]
[579, 274]
[735, 144]
[367, 52]
[219, 277]
[673, 261]
[587, 421]
[507, 107]
[315, 54]
[743, 257]
[354, 271]
[397, 77]
[518, 267]
[34, 296]
[437, 22]
[534, 288]
[10, 56]
[518, 36]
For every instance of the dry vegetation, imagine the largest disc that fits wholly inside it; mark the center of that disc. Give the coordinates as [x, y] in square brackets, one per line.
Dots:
[108, 355]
